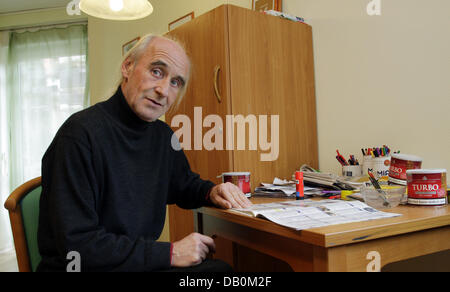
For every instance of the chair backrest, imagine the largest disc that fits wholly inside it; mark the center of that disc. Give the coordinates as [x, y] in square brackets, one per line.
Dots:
[23, 207]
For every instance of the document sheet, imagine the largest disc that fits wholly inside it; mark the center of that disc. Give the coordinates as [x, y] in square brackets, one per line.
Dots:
[307, 214]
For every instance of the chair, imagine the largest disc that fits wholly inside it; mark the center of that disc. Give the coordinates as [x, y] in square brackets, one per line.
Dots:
[23, 207]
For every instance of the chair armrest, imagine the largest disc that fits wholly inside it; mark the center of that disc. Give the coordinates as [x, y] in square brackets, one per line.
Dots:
[17, 195]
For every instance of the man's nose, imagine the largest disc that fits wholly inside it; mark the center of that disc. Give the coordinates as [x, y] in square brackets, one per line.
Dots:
[162, 87]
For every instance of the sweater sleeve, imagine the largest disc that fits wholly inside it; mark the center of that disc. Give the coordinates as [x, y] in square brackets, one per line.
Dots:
[187, 189]
[69, 201]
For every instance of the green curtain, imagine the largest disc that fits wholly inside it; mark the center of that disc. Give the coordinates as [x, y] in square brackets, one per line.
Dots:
[47, 82]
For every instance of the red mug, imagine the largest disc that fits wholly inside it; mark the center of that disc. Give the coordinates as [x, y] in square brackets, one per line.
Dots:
[240, 179]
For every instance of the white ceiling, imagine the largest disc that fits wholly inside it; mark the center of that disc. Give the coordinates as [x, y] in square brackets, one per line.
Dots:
[9, 6]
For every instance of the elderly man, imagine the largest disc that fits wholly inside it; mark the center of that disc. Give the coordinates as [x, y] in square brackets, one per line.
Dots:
[111, 170]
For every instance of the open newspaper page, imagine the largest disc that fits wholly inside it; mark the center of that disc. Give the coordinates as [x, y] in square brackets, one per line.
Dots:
[301, 215]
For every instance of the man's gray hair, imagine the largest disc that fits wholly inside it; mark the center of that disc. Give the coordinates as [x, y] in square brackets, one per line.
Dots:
[136, 52]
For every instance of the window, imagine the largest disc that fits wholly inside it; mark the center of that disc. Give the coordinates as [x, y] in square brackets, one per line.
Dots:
[44, 81]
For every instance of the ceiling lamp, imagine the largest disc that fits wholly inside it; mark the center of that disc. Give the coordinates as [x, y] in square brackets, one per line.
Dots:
[117, 9]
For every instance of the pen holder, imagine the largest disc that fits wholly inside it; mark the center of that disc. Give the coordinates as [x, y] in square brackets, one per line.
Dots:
[379, 166]
[352, 170]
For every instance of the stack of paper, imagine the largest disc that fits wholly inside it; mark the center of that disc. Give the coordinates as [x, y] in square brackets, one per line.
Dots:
[284, 15]
[280, 188]
[326, 180]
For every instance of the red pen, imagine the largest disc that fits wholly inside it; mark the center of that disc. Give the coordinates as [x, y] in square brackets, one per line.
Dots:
[336, 197]
[341, 158]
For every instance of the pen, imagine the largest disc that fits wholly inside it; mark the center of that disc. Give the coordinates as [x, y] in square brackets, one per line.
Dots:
[341, 158]
[341, 161]
[376, 151]
[374, 181]
[377, 186]
[352, 160]
[334, 197]
[330, 192]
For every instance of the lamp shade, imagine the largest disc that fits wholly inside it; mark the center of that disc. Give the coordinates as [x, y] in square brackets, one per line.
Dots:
[117, 9]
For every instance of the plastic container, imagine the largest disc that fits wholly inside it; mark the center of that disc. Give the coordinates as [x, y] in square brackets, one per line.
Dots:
[379, 166]
[394, 195]
[352, 170]
[427, 187]
[400, 163]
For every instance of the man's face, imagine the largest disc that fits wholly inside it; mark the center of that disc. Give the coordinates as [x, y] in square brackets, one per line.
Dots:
[153, 83]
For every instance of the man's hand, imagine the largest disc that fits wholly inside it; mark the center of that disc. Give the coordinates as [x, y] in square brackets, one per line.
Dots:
[191, 250]
[228, 196]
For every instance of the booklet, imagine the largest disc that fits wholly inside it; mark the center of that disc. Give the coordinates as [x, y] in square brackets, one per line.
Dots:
[307, 214]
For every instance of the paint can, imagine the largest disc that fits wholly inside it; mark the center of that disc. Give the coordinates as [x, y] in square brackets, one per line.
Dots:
[400, 163]
[427, 187]
[241, 179]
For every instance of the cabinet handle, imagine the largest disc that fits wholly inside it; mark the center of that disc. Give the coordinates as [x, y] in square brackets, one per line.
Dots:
[216, 80]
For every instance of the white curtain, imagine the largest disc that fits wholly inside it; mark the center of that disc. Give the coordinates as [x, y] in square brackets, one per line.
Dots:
[46, 82]
[5, 230]
[47, 71]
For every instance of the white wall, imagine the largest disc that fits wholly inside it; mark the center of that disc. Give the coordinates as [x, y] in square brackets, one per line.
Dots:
[381, 79]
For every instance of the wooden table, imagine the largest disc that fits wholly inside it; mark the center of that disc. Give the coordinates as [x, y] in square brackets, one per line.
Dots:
[361, 246]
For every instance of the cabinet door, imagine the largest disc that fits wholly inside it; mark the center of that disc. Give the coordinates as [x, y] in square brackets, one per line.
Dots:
[272, 74]
[206, 40]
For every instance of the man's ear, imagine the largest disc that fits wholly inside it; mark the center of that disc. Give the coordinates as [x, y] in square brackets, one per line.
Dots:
[127, 67]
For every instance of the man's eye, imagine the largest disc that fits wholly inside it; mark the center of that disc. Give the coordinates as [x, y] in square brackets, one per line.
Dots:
[176, 83]
[157, 72]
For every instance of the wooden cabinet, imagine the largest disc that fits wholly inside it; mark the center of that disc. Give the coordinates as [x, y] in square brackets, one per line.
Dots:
[251, 65]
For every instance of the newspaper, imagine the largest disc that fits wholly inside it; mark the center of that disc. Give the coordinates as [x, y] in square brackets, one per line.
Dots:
[307, 214]
[312, 177]
[280, 186]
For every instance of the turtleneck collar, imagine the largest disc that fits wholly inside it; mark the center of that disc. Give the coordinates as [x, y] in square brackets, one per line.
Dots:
[120, 110]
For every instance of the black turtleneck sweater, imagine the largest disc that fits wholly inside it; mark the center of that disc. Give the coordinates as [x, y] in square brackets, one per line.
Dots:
[106, 180]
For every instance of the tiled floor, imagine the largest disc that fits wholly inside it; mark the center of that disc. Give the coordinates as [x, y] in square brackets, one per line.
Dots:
[8, 262]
